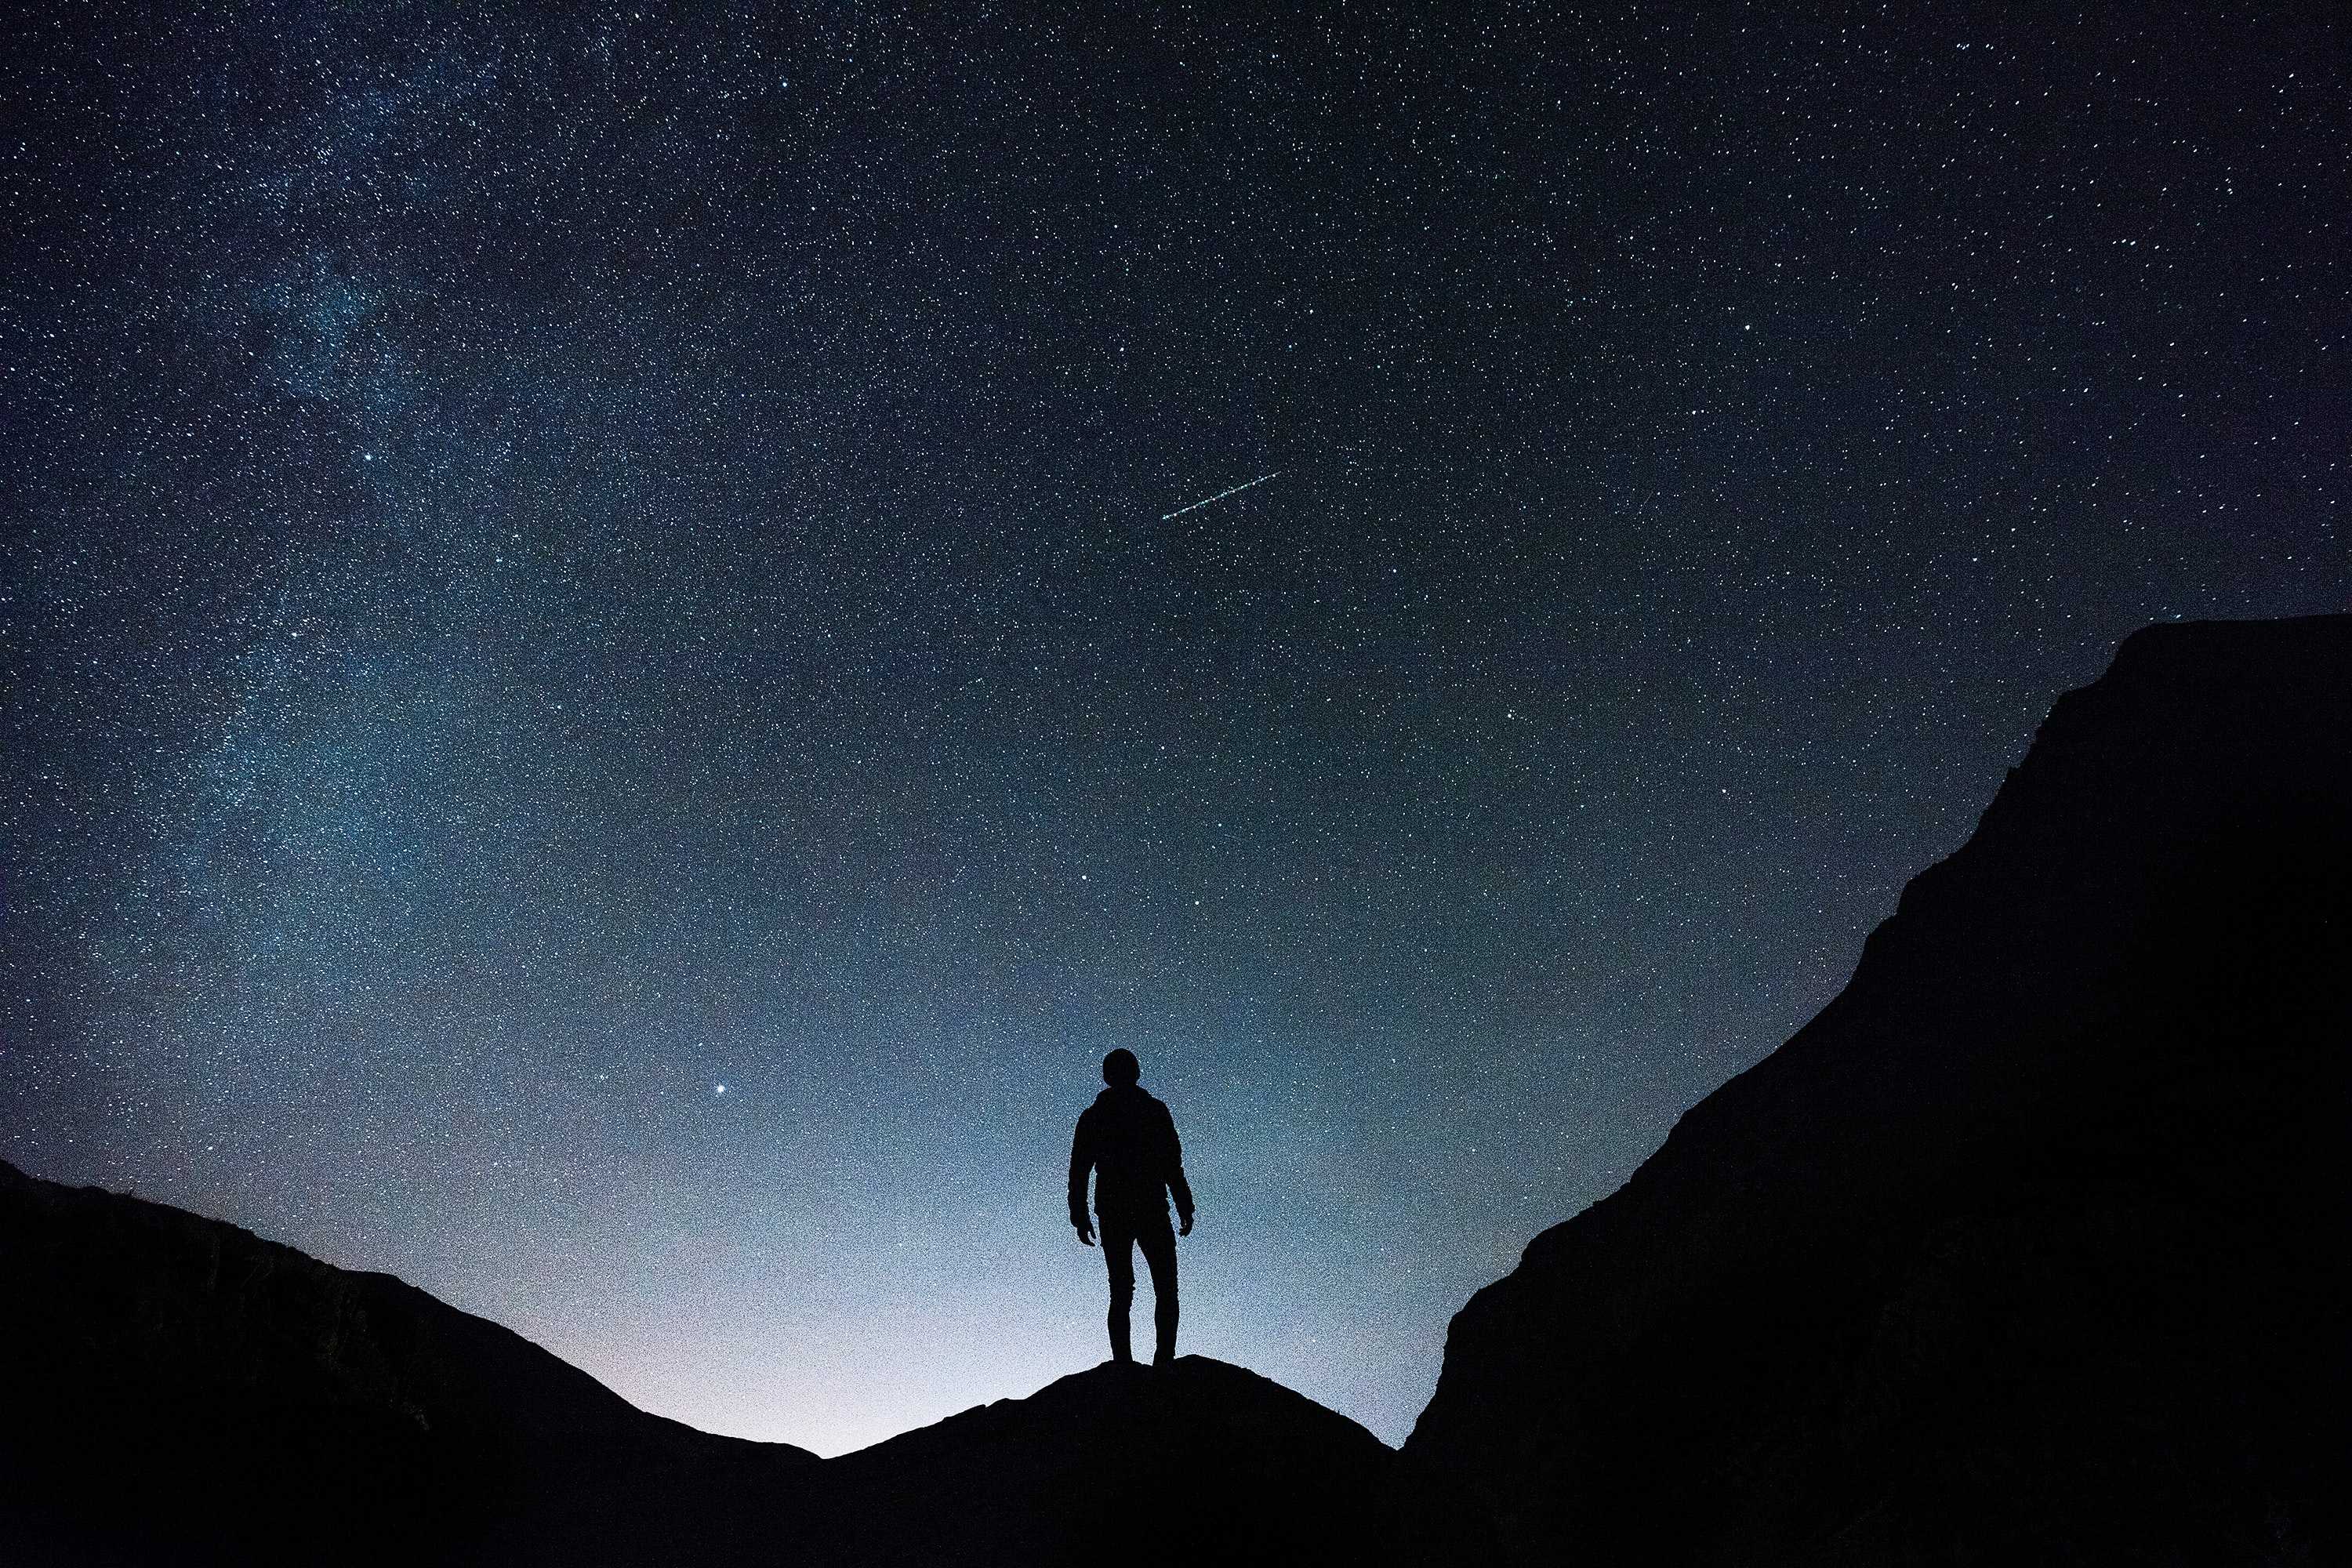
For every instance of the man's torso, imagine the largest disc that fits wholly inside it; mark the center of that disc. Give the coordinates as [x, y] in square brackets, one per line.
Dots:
[1133, 1140]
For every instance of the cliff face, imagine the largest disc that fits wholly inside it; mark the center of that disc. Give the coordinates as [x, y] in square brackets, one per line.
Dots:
[2028, 1246]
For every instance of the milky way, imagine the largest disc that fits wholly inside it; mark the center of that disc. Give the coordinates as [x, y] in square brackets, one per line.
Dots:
[555, 563]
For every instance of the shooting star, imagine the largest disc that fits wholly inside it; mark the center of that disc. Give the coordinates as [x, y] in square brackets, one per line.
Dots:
[1222, 495]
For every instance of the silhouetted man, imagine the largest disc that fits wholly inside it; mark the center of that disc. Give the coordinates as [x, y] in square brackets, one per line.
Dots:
[1128, 1140]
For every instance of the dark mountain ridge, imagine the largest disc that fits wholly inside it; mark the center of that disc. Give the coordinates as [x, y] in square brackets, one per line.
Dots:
[2027, 1246]
[181, 1391]
[1198, 1462]
[2025, 1249]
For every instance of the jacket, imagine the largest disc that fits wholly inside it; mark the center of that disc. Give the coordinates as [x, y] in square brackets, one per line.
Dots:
[1128, 1140]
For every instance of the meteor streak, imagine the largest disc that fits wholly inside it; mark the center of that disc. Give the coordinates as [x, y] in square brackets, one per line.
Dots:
[1222, 495]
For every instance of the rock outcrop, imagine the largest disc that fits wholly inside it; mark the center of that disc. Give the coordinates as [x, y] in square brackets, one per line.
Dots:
[2029, 1246]
[1198, 1462]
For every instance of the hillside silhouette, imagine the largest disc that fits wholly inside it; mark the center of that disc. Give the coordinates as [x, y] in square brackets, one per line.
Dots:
[1196, 1462]
[181, 1391]
[2029, 1246]
[2025, 1249]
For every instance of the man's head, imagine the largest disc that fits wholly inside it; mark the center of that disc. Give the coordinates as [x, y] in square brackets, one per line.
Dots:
[1121, 1069]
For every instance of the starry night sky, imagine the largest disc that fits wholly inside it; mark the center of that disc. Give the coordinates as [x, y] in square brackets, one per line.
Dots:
[555, 561]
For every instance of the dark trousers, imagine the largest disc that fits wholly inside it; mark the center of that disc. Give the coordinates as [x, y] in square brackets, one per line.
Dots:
[1150, 1232]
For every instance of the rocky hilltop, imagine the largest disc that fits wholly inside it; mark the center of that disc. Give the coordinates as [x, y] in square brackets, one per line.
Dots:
[179, 1390]
[2029, 1246]
[1198, 1463]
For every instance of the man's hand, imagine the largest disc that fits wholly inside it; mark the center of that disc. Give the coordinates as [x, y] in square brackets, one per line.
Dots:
[1086, 1232]
[1184, 1225]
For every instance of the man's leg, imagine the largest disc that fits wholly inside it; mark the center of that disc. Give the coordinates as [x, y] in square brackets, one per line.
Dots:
[1117, 1244]
[1159, 1244]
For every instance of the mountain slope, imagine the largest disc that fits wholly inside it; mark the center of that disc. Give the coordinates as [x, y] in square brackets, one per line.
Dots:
[1199, 1462]
[181, 1390]
[2028, 1245]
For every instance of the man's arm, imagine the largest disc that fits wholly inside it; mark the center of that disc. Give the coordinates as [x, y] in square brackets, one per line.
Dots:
[1082, 1160]
[1178, 1187]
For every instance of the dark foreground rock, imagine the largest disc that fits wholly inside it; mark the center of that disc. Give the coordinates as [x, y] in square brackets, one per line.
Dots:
[181, 1391]
[178, 1391]
[1199, 1462]
[2030, 1247]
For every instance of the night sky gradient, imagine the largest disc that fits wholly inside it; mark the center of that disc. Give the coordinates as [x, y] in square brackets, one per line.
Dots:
[603, 710]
